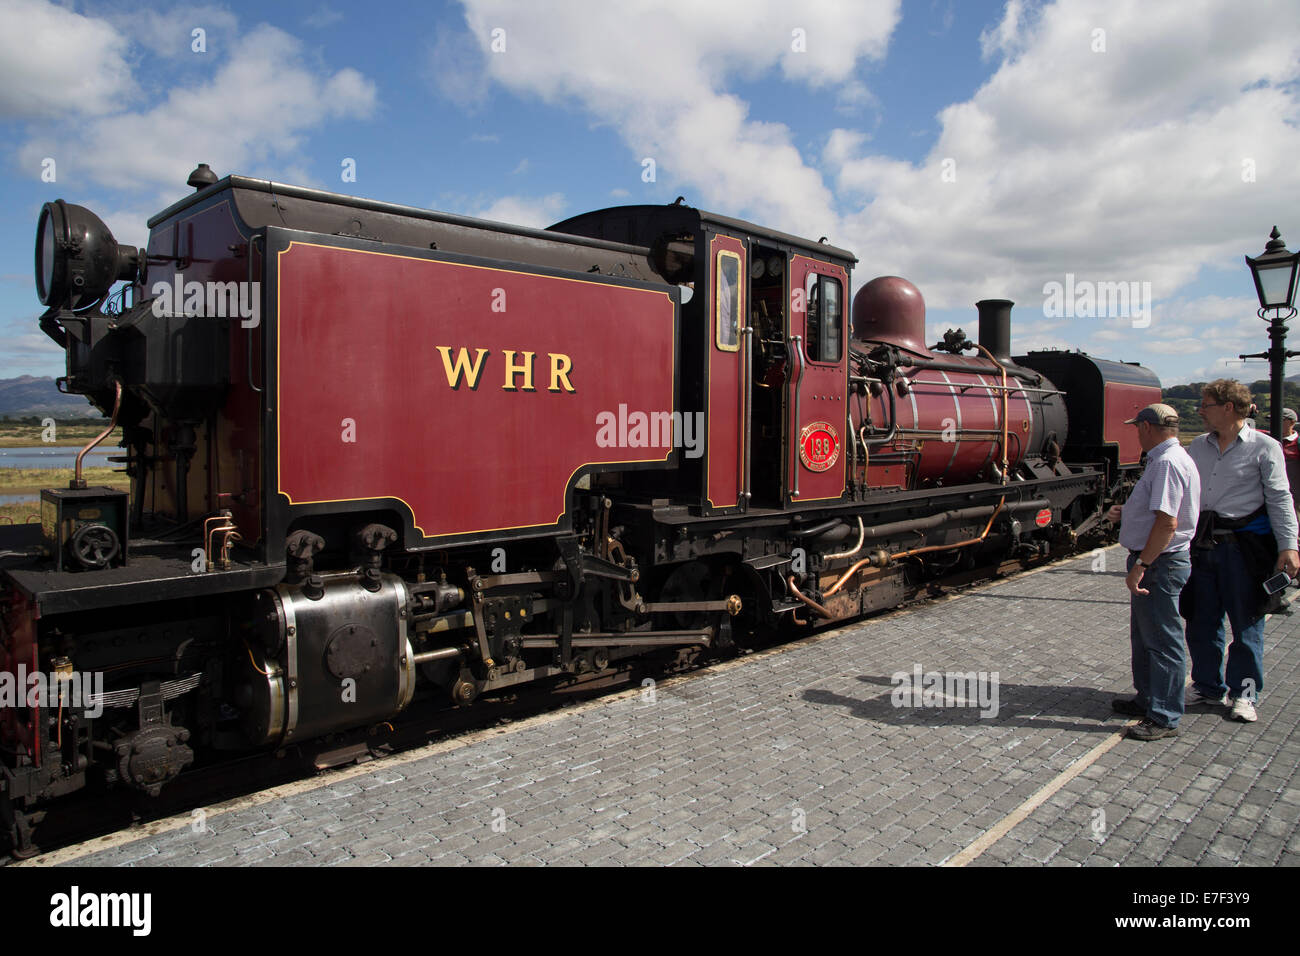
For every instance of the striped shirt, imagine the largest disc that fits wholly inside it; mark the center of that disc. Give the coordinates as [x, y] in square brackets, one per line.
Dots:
[1169, 484]
[1252, 472]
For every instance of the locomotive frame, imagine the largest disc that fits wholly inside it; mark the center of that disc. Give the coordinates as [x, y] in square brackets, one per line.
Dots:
[274, 587]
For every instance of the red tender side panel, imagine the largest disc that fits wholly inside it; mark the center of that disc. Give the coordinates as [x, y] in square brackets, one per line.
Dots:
[1123, 402]
[394, 381]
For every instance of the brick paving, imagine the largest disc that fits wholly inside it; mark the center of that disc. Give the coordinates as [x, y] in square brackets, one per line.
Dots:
[800, 756]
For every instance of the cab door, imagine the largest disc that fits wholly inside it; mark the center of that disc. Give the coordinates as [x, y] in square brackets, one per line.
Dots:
[725, 482]
[817, 389]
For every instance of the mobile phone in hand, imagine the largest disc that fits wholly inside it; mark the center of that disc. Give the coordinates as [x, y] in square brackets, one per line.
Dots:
[1276, 583]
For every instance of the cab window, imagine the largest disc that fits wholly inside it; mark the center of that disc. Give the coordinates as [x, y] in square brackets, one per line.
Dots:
[727, 302]
[825, 318]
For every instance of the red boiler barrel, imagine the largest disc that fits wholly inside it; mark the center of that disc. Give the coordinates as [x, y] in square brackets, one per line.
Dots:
[949, 426]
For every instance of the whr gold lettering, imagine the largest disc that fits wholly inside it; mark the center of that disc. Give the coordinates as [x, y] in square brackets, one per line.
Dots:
[462, 368]
[514, 368]
[561, 365]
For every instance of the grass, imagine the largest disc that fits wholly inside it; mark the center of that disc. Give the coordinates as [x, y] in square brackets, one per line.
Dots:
[66, 434]
[19, 480]
[22, 481]
[19, 512]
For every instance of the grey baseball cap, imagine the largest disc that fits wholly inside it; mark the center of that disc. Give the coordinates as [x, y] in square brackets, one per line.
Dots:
[1157, 414]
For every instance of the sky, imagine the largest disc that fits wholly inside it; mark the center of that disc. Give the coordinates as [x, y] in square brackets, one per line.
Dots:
[1107, 165]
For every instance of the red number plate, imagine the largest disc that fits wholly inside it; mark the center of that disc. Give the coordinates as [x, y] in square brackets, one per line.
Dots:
[819, 446]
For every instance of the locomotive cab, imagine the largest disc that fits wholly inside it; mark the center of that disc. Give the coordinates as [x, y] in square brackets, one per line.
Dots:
[764, 353]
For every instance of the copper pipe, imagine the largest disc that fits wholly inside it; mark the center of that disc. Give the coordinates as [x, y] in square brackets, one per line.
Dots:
[866, 456]
[834, 588]
[227, 539]
[862, 531]
[209, 536]
[78, 482]
[847, 574]
[208, 524]
[959, 544]
[821, 611]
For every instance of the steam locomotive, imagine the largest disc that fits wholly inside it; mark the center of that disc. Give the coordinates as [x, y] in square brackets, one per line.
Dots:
[378, 452]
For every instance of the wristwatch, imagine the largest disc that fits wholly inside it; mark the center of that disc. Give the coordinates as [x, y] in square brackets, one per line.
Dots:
[1141, 564]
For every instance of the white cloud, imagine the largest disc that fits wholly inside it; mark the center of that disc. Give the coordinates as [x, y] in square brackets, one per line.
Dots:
[1126, 165]
[253, 113]
[1174, 346]
[323, 17]
[129, 224]
[29, 351]
[946, 18]
[538, 212]
[1220, 368]
[658, 72]
[854, 97]
[1006, 37]
[454, 68]
[53, 60]
[169, 34]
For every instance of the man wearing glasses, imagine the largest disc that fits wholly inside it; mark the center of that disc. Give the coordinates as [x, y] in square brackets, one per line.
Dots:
[1247, 529]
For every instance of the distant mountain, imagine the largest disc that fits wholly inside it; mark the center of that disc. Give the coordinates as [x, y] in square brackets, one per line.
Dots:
[28, 395]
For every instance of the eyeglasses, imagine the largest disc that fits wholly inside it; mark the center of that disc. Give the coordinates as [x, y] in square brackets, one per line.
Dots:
[1205, 405]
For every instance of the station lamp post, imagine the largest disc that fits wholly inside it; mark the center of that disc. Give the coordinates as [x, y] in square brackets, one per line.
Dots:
[1274, 273]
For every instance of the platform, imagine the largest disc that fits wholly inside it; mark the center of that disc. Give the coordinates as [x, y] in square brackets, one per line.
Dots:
[799, 755]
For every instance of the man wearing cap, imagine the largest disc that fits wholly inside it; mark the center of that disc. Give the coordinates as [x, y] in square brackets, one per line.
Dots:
[1291, 455]
[1247, 530]
[1157, 526]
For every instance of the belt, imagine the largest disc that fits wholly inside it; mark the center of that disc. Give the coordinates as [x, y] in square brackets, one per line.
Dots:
[1138, 553]
[1212, 528]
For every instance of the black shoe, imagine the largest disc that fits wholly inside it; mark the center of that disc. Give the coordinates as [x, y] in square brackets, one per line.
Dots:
[1150, 731]
[1128, 706]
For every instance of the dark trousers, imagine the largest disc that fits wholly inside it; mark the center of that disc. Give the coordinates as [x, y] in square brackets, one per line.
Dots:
[1223, 585]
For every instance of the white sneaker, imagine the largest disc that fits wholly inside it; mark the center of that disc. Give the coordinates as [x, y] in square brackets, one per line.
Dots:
[1195, 697]
[1243, 710]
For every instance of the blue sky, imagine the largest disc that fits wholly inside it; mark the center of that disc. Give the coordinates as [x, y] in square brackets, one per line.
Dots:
[980, 149]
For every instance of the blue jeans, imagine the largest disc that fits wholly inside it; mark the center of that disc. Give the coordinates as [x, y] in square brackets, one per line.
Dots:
[1223, 585]
[1156, 633]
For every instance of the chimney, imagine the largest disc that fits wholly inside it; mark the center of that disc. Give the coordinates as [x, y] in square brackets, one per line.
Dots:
[995, 327]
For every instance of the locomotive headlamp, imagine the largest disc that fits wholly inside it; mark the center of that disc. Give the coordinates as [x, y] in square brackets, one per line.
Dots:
[77, 258]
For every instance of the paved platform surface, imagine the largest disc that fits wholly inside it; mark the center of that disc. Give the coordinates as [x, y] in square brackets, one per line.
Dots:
[801, 756]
